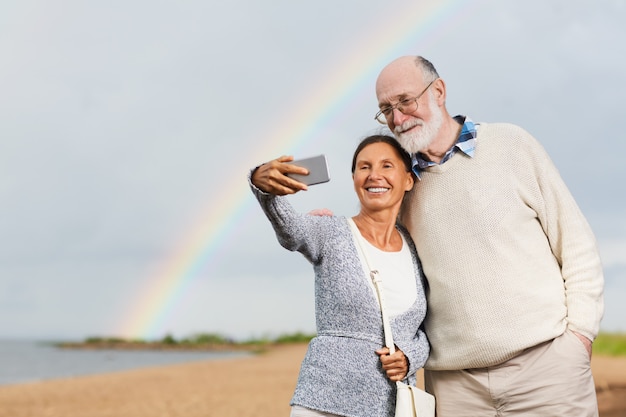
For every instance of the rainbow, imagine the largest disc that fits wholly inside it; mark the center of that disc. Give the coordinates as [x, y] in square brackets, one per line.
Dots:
[202, 246]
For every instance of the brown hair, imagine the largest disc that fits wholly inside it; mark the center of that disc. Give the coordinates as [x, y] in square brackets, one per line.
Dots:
[390, 140]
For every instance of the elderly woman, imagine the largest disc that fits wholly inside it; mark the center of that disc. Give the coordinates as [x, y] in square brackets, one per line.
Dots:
[347, 371]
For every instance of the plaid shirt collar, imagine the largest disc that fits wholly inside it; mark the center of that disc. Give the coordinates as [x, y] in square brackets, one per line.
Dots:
[465, 143]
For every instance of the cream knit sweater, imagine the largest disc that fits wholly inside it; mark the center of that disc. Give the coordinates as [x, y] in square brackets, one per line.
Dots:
[510, 260]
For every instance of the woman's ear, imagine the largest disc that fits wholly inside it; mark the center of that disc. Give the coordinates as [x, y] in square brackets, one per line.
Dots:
[410, 181]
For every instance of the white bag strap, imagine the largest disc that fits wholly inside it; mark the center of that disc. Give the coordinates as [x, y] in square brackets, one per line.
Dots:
[378, 284]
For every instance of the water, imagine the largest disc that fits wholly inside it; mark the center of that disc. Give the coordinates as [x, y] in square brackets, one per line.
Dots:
[28, 361]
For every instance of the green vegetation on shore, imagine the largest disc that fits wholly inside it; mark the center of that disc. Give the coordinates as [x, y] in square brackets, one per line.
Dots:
[610, 344]
[201, 341]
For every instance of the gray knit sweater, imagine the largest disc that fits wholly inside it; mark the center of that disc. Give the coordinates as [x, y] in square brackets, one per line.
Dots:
[341, 373]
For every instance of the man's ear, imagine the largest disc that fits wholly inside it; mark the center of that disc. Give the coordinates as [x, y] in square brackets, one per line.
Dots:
[440, 91]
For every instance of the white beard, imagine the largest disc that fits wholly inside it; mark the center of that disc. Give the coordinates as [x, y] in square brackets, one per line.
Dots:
[419, 139]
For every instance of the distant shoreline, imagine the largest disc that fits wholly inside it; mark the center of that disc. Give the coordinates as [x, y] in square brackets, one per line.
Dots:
[160, 346]
[207, 342]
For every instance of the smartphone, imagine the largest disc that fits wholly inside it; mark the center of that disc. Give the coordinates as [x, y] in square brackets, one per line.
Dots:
[318, 170]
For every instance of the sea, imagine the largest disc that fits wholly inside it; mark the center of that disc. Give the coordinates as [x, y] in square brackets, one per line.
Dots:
[23, 361]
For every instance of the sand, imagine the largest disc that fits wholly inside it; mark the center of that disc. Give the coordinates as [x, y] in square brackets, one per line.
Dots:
[259, 386]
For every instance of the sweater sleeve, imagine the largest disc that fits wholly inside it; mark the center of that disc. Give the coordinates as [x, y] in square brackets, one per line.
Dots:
[294, 231]
[416, 351]
[573, 245]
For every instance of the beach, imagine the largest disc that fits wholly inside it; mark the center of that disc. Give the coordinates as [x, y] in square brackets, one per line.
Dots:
[260, 385]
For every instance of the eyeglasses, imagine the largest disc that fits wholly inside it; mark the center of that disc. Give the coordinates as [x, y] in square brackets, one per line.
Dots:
[406, 106]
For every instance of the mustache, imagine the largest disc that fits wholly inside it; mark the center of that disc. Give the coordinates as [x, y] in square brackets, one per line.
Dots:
[409, 124]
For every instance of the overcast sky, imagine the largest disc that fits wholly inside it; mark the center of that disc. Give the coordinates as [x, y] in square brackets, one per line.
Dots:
[127, 129]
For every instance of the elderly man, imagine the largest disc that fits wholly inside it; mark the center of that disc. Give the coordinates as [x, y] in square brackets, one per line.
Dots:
[516, 282]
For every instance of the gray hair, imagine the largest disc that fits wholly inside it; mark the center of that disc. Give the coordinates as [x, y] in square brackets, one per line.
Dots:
[428, 69]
